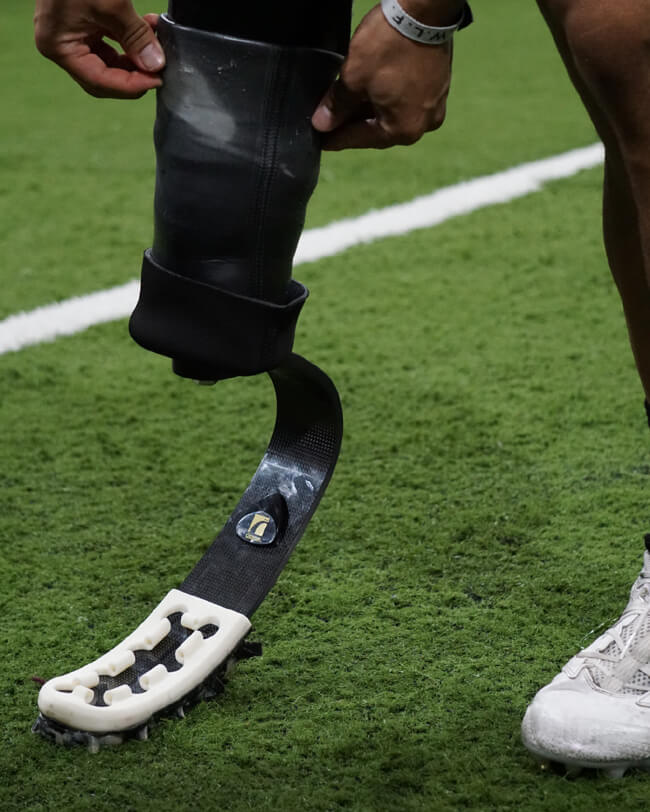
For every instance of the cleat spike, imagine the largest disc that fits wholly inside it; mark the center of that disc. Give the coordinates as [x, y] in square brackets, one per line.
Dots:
[231, 665]
[93, 743]
[143, 734]
[112, 740]
[573, 770]
[180, 712]
[247, 650]
[615, 772]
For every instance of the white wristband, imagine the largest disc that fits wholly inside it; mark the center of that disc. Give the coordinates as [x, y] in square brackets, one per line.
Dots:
[411, 28]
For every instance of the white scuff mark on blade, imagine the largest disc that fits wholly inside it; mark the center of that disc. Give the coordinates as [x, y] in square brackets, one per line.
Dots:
[196, 102]
[81, 312]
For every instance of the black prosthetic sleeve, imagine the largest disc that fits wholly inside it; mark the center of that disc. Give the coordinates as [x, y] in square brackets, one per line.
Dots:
[237, 161]
[294, 22]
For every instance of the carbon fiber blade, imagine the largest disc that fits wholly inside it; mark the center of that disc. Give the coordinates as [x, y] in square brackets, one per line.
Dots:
[246, 558]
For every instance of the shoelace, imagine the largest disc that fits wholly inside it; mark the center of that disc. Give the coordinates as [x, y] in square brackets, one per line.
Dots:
[621, 647]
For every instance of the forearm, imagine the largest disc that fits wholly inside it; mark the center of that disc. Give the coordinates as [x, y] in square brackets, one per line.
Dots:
[434, 12]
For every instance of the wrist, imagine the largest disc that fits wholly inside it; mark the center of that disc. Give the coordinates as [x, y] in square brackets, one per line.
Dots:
[415, 28]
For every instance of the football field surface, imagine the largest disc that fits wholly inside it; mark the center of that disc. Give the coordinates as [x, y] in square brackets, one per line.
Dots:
[488, 508]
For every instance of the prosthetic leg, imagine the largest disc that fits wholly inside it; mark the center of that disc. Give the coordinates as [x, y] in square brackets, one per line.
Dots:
[237, 161]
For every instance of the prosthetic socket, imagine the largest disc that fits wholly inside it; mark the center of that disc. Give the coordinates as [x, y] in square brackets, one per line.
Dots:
[237, 161]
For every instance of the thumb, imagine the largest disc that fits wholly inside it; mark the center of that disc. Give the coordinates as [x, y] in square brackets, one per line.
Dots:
[337, 106]
[137, 38]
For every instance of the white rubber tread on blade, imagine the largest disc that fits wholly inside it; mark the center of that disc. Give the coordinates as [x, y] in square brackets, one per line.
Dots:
[67, 699]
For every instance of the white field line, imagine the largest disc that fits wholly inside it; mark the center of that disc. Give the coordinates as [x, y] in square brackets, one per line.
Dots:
[74, 315]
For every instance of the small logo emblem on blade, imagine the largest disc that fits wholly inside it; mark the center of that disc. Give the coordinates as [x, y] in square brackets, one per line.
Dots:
[257, 528]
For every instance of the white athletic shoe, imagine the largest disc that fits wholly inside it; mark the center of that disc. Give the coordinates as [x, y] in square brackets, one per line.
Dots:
[596, 712]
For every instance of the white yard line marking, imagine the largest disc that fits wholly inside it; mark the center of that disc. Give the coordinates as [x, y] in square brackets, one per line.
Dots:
[74, 315]
[67, 318]
[443, 204]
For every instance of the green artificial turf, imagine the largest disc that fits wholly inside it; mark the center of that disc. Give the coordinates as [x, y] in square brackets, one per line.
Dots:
[486, 513]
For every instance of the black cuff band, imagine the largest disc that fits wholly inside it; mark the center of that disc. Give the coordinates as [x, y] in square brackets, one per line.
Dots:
[209, 332]
[467, 18]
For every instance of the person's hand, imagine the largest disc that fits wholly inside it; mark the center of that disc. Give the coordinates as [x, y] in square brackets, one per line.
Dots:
[71, 33]
[390, 91]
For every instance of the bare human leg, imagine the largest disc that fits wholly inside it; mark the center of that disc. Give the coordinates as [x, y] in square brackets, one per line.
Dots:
[628, 248]
[596, 712]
